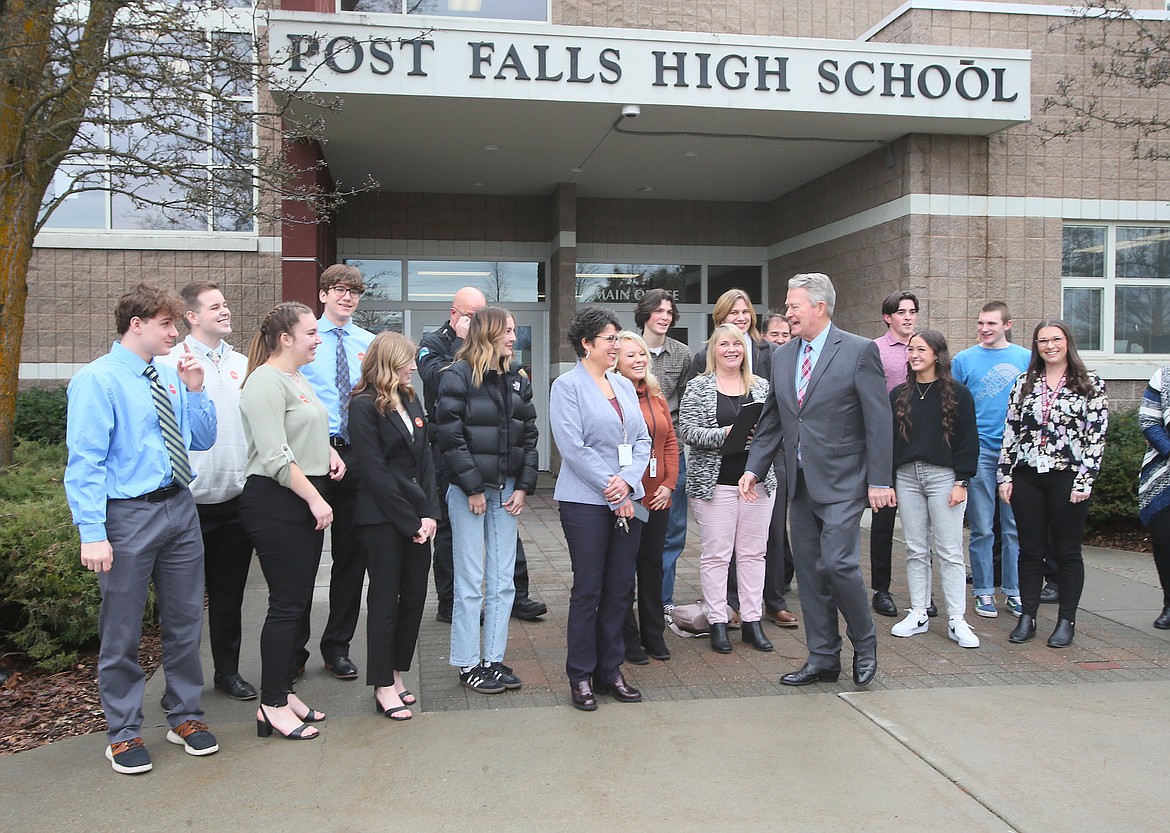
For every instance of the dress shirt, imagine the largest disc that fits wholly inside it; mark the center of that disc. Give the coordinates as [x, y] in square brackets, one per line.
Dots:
[893, 359]
[116, 448]
[322, 371]
[818, 344]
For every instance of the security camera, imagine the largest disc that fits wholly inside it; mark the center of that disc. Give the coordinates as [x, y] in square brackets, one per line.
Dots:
[631, 111]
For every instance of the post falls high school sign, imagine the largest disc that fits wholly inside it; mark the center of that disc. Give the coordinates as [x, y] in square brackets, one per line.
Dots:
[441, 57]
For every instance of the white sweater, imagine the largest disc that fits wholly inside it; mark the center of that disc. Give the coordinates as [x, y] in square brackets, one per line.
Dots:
[220, 470]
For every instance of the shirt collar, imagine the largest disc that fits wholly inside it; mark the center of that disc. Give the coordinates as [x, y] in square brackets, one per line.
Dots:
[128, 357]
[818, 343]
[324, 325]
[889, 339]
[199, 347]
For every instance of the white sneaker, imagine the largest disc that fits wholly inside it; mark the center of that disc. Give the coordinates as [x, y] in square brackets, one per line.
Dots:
[916, 621]
[961, 632]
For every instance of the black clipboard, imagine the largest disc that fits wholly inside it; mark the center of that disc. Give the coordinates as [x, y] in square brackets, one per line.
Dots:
[736, 441]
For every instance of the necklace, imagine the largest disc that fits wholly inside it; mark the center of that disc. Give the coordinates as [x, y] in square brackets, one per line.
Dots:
[922, 393]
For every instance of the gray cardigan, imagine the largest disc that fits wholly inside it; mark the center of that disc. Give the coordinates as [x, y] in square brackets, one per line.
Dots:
[587, 432]
[700, 429]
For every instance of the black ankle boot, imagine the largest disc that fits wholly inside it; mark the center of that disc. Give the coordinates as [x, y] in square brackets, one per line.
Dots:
[1162, 623]
[753, 635]
[1062, 637]
[1025, 629]
[719, 641]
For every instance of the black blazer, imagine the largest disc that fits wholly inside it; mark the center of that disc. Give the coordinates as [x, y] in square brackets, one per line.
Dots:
[396, 483]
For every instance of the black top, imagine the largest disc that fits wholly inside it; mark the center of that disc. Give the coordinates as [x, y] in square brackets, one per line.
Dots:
[732, 465]
[436, 350]
[926, 441]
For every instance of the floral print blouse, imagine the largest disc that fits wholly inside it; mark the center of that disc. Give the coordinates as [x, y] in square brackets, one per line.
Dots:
[1072, 437]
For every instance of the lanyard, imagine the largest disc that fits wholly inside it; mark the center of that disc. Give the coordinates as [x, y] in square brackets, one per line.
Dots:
[1048, 397]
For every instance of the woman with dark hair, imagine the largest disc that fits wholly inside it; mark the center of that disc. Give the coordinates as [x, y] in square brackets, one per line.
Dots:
[644, 632]
[1154, 483]
[734, 307]
[289, 464]
[487, 435]
[936, 452]
[605, 448]
[394, 513]
[728, 522]
[1053, 440]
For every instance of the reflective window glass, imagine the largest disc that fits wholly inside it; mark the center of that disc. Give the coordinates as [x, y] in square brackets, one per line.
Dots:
[383, 279]
[501, 282]
[748, 278]
[1143, 252]
[500, 9]
[84, 209]
[1083, 252]
[626, 283]
[1082, 310]
[1142, 319]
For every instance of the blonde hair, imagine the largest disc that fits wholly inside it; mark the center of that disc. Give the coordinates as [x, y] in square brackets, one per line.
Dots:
[652, 385]
[744, 368]
[283, 319]
[479, 348]
[723, 306]
[387, 354]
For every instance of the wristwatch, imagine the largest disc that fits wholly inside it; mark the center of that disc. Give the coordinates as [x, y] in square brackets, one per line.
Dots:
[962, 483]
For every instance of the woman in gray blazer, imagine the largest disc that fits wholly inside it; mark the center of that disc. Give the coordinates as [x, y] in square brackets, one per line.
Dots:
[604, 445]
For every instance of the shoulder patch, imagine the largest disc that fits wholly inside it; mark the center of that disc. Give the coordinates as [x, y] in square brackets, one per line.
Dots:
[423, 353]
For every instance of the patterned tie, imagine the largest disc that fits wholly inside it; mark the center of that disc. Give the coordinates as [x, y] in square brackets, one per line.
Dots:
[805, 374]
[344, 388]
[172, 438]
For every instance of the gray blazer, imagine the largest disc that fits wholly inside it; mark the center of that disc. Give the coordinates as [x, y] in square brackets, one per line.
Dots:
[843, 428]
[587, 432]
[699, 428]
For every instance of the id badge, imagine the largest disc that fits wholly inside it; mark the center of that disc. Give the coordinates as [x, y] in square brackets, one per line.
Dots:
[653, 466]
[1043, 465]
[625, 454]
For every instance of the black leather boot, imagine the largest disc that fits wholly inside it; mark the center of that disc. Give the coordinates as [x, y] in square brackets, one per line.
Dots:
[719, 641]
[1062, 637]
[1025, 629]
[1162, 623]
[753, 635]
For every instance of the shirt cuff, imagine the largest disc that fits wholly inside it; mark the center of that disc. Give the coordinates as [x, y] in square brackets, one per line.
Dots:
[92, 533]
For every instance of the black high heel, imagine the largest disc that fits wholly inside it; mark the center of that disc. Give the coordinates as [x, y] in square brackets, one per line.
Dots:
[264, 729]
[753, 635]
[310, 716]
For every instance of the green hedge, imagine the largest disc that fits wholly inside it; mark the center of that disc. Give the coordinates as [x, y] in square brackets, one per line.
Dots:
[40, 415]
[49, 604]
[1114, 500]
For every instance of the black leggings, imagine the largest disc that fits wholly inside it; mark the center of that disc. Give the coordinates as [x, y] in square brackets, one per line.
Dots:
[1042, 509]
[289, 547]
[1160, 537]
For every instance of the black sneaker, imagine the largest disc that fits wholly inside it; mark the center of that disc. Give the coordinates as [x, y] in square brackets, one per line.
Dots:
[481, 679]
[504, 676]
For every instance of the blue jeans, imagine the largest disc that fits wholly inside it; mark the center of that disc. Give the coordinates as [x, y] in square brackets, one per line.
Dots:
[931, 524]
[484, 554]
[981, 497]
[676, 531]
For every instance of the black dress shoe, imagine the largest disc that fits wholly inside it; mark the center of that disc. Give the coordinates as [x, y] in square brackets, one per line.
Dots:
[235, 686]
[864, 669]
[1024, 630]
[1162, 623]
[1050, 595]
[658, 652]
[342, 668]
[583, 697]
[527, 608]
[719, 641]
[1062, 637]
[932, 611]
[637, 658]
[808, 675]
[443, 615]
[883, 603]
[753, 634]
[622, 691]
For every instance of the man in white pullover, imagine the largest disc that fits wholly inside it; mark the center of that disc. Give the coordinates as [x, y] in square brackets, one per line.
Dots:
[228, 552]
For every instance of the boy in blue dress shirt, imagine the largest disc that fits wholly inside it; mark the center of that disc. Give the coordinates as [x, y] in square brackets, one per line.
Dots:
[130, 426]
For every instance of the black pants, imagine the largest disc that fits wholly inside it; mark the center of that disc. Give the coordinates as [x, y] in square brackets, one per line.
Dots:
[1042, 509]
[348, 573]
[282, 530]
[881, 548]
[603, 559]
[444, 564]
[227, 558]
[398, 570]
[647, 629]
[1160, 537]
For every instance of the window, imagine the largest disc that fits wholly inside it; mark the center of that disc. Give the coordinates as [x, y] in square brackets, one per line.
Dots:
[498, 9]
[1116, 284]
[626, 283]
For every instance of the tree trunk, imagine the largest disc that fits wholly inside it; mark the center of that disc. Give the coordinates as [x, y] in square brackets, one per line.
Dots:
[19, 204]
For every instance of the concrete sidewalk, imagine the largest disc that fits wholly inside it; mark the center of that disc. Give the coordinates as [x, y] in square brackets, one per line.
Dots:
[1004, 737]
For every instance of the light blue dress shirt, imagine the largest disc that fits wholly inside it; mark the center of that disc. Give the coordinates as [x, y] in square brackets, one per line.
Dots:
[818, 344]
[116, 448]
[322, 371]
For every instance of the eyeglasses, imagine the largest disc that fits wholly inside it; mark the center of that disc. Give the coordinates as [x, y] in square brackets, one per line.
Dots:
[462, 314]
[342, 291]
[1044, 342]
[611, 339]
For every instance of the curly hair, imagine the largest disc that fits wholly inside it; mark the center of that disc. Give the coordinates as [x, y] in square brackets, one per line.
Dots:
[937, 342]
[387, 354]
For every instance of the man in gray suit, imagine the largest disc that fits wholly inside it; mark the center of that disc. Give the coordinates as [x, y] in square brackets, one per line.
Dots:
[829, 410]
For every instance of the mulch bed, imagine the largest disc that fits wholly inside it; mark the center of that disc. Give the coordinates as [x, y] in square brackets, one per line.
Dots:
[40, 707]
[1133, 537]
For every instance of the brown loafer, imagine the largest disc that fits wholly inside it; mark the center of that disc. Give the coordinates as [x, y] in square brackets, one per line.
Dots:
[582, 694]
[783, 618]
[734, 621]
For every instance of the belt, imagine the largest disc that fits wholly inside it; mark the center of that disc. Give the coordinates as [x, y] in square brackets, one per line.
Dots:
[337, 442]
[159, 495]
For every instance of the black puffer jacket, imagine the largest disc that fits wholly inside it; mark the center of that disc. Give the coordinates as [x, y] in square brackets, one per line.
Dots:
[486, 433]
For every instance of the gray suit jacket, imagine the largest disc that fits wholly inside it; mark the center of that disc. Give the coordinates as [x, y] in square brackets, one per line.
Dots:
[844, 428]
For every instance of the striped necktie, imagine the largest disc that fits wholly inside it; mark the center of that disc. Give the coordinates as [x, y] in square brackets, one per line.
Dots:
[172, 438]
[805, 374]
[344, 388]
